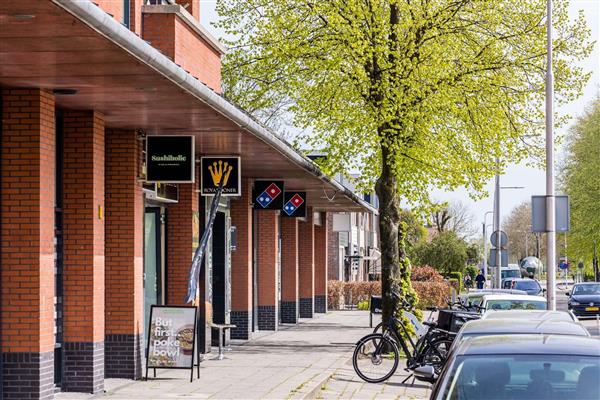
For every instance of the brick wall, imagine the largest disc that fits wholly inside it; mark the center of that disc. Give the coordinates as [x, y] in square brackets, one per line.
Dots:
[83, 227]
[191, 6]
[321, 247]
[180, 250]
[333, 253]
[27, 239]
[289, 270]
[241, 263]
[113, 7]
[177, 40]
[306, 266]
[124, 255]
[267, 266]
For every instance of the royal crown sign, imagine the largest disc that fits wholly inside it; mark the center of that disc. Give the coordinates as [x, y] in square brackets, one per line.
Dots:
[268, 195]
[215, 168]
[294, 204]
[170, 159]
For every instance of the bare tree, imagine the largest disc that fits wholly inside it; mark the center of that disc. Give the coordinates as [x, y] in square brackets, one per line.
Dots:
[455, 217]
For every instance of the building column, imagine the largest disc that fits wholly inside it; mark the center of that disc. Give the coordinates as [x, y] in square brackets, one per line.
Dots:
[180, 253]
[306, 266]
[124, 256]
[289, 270]
[267, 265]
[27, 192]
[333, 252]
[320, 254]
[241, 264]
[83, 203]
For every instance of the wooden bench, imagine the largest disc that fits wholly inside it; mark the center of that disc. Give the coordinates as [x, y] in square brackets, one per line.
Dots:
[222, 328]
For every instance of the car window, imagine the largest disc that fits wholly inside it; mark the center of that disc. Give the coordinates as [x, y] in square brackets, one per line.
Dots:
[586, 289]
[526, 285]
[515, 305]
[536, 376]
[475, 300]
[510, 273]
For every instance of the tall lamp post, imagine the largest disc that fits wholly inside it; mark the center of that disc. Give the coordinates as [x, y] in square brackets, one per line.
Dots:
[550, 204]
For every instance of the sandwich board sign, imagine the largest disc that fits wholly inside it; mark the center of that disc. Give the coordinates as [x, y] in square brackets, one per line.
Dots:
[171, 338]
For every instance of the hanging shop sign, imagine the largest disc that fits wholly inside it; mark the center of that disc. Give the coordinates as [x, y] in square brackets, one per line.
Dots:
[171, 338]
[215, 168]
[294, 204]
[170, 159]
[268, 195]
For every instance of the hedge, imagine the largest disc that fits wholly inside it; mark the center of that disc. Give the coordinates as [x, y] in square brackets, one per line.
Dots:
[458, 276]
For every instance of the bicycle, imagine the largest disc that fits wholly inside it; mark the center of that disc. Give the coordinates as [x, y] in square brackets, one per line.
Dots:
[379, 351]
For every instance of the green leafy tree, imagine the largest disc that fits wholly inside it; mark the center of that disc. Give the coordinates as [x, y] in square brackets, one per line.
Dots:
[580, 179]
[446, 252]
[414, 94]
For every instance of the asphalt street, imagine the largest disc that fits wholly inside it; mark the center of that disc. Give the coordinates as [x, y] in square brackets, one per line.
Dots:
[592, 325]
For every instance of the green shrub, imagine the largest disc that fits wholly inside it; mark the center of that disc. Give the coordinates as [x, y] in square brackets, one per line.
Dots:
[458, 277]
[363, 305]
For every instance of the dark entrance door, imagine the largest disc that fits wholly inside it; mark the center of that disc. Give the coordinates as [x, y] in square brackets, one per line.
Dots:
[221, 274]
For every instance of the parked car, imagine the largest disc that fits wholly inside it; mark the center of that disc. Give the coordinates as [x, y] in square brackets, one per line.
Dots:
[539, 315]
[531, 286]
[536, 367]
[584, 299]
[474, 296]
[510, 271]
[500, 326]
[512, 302]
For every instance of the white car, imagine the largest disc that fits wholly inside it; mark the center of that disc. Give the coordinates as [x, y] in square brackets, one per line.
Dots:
[512, 302]
[538, 315]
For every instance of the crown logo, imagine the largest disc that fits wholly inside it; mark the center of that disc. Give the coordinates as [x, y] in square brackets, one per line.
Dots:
[216, 172]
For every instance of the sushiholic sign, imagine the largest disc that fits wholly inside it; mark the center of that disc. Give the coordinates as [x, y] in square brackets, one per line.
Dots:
[170, 159]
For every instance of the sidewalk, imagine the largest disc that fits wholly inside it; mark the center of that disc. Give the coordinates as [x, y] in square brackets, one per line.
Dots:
[308, 360]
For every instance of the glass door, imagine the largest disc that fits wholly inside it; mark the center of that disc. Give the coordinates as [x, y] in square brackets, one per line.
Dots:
[152, 260]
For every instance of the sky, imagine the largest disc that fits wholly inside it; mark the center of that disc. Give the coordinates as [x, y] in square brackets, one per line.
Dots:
[532, 180]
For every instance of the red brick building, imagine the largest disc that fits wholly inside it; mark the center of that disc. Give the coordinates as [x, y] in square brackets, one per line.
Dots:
[87, 245]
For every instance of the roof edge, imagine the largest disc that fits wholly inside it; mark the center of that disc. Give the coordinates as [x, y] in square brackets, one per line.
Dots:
[105, 25]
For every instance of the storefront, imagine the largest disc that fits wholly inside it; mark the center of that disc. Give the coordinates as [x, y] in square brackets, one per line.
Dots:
[90, 241]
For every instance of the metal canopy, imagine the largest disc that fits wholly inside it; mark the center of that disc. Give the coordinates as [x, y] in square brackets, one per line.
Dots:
[63, 44]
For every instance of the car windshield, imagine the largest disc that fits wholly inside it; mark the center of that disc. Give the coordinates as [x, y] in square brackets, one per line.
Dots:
[526, 285]
[515, 305]
[510, 273]
[474, 300]
[586, 289]
[535, 376]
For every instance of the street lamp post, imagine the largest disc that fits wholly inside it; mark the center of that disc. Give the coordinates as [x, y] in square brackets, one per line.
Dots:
[497, 271]
[550, 204]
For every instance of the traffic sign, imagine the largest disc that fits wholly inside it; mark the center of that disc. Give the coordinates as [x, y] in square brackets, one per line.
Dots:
[563, 265]
[503, 239]
[503, 258]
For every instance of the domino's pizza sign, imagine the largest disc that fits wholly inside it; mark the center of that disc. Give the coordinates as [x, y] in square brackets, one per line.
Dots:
[268, 195]
[294, 204]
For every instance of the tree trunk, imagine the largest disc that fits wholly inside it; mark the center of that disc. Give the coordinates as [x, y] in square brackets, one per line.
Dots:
[389, 218]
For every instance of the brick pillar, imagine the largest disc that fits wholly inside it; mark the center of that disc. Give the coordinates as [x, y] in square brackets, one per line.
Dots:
[241, 264]
[267, 265]
[28, 143]
[83, 203]
[124, 256]
[320, 260]
[306, 266]
[289, 270]
[333, 244]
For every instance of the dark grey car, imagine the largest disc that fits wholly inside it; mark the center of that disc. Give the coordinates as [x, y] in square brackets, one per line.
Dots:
[584, 299]
[533, 367]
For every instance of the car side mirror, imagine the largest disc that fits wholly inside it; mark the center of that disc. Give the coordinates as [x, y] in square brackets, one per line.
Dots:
[426, 373]
[567, 294]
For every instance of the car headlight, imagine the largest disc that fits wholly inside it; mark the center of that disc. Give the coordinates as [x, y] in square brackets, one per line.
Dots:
[573, 303]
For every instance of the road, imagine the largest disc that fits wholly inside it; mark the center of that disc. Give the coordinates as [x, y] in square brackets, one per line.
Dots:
[592, 325]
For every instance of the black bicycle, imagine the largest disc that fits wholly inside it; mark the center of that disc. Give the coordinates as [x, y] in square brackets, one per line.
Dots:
[376, 356]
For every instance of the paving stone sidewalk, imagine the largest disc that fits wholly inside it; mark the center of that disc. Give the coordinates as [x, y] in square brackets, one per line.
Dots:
[308, 360]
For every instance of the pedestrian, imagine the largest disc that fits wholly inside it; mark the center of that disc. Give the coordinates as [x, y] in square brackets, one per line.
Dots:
[468, 281]
[480, 279]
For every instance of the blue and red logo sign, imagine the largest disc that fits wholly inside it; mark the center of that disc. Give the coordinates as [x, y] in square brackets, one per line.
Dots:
[268, 195]
[294, 204]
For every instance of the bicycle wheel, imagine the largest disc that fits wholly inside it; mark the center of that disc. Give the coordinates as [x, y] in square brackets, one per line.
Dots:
[378, 328]
[375, 358]
[436, 354]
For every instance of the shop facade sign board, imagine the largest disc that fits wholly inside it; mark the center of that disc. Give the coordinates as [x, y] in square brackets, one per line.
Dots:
[215, 168]
[268, 195]
[170, 159]
[294, 204]
[171, 335]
